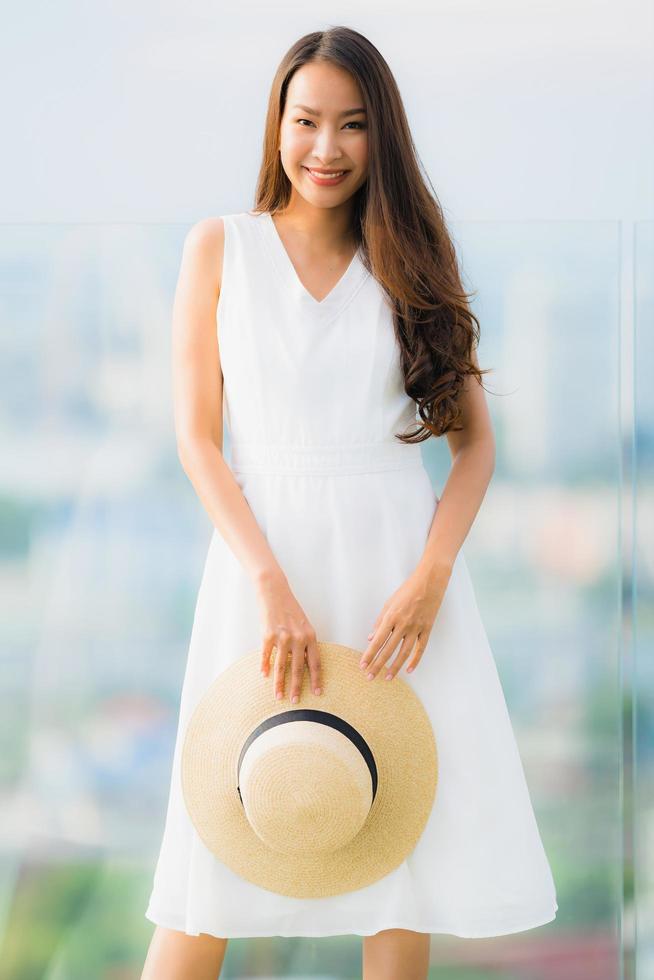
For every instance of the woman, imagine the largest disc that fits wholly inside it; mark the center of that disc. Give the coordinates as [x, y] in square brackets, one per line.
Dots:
[344, 340]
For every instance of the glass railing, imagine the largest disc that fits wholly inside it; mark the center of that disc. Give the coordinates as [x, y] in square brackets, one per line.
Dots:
[103, 546]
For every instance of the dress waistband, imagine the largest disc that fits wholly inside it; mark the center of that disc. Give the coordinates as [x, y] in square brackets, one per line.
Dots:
[364, 457]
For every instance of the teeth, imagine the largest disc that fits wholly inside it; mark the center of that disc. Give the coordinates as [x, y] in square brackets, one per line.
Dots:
[325, 176]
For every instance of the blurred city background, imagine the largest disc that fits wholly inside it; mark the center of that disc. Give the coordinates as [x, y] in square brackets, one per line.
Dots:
[103, 538]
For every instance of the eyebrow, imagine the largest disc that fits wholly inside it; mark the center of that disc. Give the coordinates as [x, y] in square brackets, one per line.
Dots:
[315, 112]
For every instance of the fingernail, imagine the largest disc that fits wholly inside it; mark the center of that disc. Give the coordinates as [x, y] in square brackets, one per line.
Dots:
[363, 664]
[279, 695]
[294, 699]
[389, 677]
[370, 676]
[369, 636]
[317, 691]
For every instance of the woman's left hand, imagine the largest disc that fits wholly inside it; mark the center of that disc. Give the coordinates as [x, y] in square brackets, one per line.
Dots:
[407, 617]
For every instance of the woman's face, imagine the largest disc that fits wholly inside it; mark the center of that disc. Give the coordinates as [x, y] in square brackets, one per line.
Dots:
[329, 137]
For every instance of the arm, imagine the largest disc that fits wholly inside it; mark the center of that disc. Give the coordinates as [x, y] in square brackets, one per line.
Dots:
[198, 411]
[473, 462]
[198, 401]
[407, 617]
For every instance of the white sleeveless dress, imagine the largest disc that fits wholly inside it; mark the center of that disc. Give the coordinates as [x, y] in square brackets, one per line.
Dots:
[313, 395]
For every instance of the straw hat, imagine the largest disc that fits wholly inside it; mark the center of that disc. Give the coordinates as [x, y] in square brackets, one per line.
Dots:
[317, 798]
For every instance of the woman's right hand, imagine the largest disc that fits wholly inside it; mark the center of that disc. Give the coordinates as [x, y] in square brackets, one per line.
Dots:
[286, 627]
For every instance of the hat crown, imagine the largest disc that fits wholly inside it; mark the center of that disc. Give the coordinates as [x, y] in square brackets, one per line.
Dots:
[305, 787]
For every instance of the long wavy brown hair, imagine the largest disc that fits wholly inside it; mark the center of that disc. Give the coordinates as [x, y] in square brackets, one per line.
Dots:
[399, 224]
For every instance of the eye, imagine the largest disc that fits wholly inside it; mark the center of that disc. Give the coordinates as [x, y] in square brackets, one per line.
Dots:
[360, 125]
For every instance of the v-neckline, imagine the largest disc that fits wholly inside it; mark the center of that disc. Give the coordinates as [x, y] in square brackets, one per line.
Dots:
[340, 292]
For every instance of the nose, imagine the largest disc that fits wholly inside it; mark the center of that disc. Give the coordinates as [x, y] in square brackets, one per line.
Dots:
[326, 149]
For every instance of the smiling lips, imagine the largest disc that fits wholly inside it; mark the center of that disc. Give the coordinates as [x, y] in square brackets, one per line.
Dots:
[326, 176]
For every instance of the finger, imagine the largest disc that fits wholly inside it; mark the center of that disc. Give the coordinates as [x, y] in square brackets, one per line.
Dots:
[315, 667]
[297, 670]
[383, 653]
[266, 652]
[373, 648]
[418, 652]
[283, 645]
[403, 653]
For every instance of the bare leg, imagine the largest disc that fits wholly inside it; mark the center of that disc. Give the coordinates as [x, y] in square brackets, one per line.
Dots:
[174, 955]
[396, 954]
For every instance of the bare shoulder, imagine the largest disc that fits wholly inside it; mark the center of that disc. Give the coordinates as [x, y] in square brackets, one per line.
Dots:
[204, 244]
